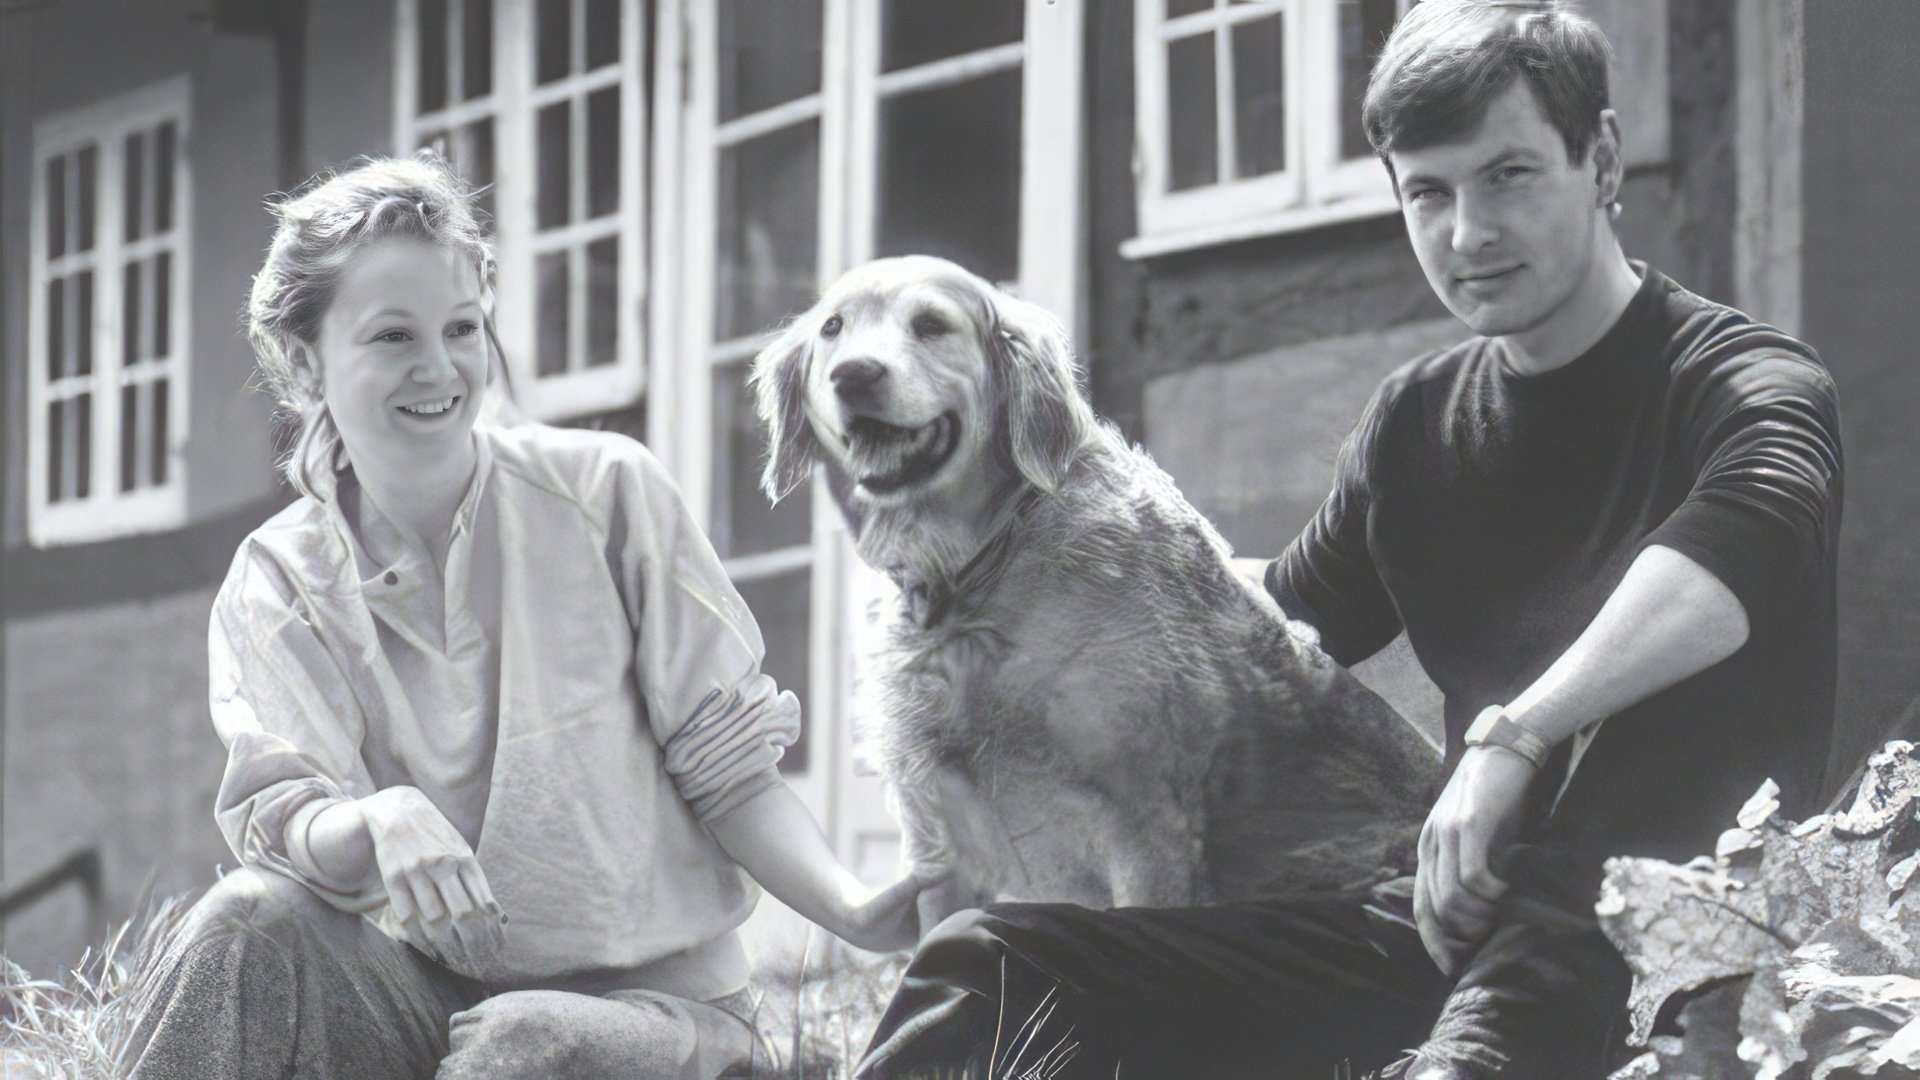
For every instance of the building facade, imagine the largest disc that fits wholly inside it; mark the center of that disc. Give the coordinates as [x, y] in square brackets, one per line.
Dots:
[1183, 181]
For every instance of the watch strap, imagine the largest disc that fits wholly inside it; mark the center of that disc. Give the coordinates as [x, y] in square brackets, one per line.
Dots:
[1493, 727]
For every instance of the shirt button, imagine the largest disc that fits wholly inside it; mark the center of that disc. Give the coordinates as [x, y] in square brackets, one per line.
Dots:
[393, 578]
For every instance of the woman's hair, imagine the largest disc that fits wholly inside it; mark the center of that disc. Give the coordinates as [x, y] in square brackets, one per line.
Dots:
[1448, 59]
[321, 228]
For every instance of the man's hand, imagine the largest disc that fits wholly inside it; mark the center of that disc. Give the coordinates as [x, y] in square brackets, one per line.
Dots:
[434, 883]
[1455, 891]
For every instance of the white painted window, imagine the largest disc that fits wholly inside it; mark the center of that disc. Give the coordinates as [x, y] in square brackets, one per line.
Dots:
[815, 135]
[1247, 117]
[108, 332]
[541, 101]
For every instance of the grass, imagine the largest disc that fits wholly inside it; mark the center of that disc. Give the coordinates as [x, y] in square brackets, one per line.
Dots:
[81, 1027]
[820, 1006]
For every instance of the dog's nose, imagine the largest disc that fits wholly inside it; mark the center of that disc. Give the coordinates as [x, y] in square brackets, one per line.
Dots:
[853, 377]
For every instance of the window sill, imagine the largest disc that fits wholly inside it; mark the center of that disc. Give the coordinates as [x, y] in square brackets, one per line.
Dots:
[1276, 223]
[109, 518]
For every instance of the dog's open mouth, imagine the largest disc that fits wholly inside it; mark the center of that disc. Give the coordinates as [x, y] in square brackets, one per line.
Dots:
[887, 457]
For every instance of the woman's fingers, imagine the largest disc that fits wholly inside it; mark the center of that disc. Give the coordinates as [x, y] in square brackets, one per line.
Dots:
[426, 898]
[484, 925]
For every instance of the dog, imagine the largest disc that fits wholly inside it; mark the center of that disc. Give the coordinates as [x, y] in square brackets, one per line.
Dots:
[1079, 699]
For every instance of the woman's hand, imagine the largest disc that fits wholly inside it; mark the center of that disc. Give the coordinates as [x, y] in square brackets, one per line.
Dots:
[888, 920]
[435, 885]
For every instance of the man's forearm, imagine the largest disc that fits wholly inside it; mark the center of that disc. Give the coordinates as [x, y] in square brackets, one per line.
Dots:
[1668, 619]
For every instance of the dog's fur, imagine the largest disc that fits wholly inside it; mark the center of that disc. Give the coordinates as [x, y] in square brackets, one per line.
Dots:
[1080, 700]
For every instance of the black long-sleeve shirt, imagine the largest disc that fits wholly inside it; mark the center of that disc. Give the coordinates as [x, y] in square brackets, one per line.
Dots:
[1491, 514]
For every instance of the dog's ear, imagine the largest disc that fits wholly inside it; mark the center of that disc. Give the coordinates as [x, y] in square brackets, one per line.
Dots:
[779, 387]
[1048, 419]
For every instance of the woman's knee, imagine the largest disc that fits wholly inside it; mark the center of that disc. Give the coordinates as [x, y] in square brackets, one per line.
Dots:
[554, 1035]
[261, 904]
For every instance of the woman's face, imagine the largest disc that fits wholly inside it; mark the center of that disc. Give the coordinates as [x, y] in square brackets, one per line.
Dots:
[402, 355]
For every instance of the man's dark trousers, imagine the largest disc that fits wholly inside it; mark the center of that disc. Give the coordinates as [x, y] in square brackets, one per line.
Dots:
[1277, 989]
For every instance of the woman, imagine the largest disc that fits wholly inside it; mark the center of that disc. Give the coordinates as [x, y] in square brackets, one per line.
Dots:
[501, 761]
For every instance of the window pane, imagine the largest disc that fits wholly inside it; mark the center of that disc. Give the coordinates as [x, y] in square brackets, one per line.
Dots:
[56, 328]
[83, 445]
[56, 207]
[779, 606]
[163, 151]
[1193, 143]
[1260, 97]
[129, 435]
[917, 31]
[89, 160]
[767, 249]
[83, 321]
[769, 53]
[130, 314]
[555, 163]
[603, 151]
[57, 453]
[475, 162]
[1177, 8]
[603, 32]
[744, 523]
[476, 49]
[553, 33]
[159, 428]
[956, 196]
[552, 318]
[162, 305]
[431, 84]
[603, 300]
[1364, 25]
[135, 187]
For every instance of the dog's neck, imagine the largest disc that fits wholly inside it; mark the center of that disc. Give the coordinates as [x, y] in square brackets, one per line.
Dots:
[927, 544]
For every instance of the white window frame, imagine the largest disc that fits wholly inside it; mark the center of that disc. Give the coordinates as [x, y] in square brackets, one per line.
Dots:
[1318, 187]
[107, 512]
[680, 402]
[513, 106]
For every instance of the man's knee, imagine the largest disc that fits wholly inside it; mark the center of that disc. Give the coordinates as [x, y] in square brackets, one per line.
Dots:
[962, 946]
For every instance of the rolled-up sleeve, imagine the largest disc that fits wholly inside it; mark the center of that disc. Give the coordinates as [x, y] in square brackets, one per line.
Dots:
[721, 722]
[1761, 433]
[287, 717]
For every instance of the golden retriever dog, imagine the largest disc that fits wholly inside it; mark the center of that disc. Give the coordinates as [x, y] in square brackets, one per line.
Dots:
[1079, 700]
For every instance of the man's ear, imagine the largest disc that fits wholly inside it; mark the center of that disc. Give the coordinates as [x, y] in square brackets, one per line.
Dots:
[1608, 160]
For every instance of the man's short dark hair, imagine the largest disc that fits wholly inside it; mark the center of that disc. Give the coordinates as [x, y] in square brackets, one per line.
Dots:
[1448, 59]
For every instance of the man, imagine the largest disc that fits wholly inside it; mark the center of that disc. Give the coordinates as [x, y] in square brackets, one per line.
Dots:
[1607, 525]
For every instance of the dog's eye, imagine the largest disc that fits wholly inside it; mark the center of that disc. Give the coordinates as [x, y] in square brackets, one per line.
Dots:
[831, 328]
[929, 326]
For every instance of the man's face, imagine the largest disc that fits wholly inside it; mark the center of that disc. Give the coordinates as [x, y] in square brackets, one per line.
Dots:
[1503, 224]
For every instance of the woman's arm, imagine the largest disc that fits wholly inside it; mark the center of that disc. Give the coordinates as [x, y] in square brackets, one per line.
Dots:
[775, 839]
[293, 765]
[722, 723]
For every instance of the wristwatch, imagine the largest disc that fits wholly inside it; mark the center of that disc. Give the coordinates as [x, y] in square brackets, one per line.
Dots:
[1493, 727]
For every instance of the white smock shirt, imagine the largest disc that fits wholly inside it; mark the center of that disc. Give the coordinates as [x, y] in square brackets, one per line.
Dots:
[581, 697]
